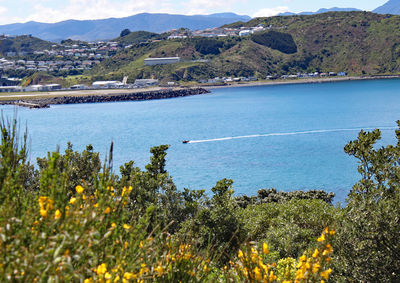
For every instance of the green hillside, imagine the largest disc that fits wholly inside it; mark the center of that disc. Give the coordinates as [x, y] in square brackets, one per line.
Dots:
[23, 43]
[355, 42]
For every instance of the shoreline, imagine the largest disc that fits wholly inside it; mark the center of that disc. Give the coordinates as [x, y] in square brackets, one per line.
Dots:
[45, 100]
[303, 81]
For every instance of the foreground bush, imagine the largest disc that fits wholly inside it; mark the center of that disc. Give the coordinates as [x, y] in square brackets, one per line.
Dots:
[73, 219]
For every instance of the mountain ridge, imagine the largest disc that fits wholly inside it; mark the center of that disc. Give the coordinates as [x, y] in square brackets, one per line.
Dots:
[320, 11]
[90, 30]
[390, 7]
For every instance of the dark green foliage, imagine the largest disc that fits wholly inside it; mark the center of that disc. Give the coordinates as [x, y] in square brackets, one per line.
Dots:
[217, 225]
[16, 174]
[23, 43]
[272, 195]
[368, 243]
[124, 32]
[289, 227]
[276, 40]
[74, 168]
[208, 46]
[128, 37]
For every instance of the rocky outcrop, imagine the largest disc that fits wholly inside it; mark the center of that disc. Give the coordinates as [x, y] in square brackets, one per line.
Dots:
[137, 96]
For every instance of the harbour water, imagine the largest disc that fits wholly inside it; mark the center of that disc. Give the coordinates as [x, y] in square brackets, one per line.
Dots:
[287, 137]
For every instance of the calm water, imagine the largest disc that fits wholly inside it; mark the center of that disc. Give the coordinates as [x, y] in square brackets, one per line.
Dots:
[290, 161]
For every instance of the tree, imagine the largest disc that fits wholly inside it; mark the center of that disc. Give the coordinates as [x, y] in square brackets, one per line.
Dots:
[125, 32]
[368, 241]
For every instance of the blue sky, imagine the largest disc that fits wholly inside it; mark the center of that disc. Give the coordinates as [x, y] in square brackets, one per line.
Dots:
[12, 11]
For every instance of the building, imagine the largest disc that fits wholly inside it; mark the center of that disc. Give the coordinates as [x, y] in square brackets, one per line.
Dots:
[146, 82]
[80, 86]
[105, 84]
[245, 32]
[51, 87]
[161, 61]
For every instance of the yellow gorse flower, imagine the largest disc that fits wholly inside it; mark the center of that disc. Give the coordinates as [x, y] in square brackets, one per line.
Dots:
[101, 269]
[325, 274]
[57, 214]
[79, 189]
[265, 248]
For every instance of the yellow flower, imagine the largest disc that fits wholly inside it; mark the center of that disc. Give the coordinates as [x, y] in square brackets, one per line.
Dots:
[107, 275]
[79, 189]
[316, 253]
[322, 238]
[129, 275]
[101, 269]
[107, 210]
[265, 248]
[316, 267]
[43, 212]
[257, 273]
[240, 254]
[127, 227]
[57, 214]
[329, 248]
[332, 232]
[325, 274]
[113, 225]
[72, 200]
[160, 270]
[117, 278]
[88, 280]
[272, 276]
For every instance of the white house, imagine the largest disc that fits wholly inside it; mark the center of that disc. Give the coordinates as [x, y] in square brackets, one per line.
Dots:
[105, 84]
[161, 61]
[245, 32]
[146, 82]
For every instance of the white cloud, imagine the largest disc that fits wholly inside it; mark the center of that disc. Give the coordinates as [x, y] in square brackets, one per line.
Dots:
[3, 10]
[95, 9]
[268, 12]
[205, 7]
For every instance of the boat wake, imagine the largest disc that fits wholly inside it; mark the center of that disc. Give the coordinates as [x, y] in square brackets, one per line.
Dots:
[290, 134]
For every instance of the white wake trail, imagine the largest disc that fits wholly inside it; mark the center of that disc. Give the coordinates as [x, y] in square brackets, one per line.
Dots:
[291, 134]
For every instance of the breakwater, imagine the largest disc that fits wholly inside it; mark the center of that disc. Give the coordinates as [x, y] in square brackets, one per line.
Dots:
[44, 102]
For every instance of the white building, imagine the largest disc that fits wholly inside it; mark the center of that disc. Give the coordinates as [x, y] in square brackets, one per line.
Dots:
[146, 82]
[105, 84]
[245, 32]
[161, 61]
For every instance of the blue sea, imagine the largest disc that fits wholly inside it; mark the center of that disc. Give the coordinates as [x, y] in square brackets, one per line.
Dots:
[288, 137]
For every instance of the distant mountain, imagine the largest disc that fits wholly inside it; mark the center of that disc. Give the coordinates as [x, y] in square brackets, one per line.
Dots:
[320, 11]
[391, 7]
[90, 30]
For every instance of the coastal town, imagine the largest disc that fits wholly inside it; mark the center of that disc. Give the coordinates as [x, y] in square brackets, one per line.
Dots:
[71, 57]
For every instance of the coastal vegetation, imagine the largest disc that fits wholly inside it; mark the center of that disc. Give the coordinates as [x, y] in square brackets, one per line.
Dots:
[72, 217]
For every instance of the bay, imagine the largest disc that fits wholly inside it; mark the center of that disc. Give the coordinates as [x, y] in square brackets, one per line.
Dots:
[287, 137]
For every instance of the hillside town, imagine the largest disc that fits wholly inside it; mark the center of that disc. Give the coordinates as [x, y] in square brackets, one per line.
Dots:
[74, 57]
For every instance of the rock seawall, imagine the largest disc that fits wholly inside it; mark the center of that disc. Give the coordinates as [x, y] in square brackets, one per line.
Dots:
[136, 96]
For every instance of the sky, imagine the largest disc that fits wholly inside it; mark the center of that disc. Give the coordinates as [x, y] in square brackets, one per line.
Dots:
[50, 11]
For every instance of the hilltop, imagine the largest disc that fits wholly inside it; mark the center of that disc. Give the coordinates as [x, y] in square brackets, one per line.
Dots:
[22, 44]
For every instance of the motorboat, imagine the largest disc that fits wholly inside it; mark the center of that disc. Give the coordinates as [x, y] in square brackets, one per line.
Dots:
[185, 141]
